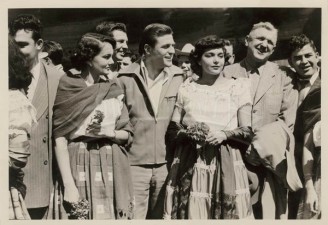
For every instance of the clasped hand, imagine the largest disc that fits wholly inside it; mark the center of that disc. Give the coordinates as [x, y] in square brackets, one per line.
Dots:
[216, 137]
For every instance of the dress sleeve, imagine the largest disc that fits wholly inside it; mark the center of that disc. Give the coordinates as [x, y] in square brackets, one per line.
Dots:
[180, 97]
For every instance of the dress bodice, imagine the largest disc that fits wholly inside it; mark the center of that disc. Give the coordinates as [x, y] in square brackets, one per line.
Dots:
[216, 105]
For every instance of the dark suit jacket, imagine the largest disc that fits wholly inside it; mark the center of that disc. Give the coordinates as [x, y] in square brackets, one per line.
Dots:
[38, 172]
[308, 113]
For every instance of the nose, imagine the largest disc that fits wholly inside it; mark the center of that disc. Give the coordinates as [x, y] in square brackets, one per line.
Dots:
[171, 50]
[215, 60]
[110, 61]
[125, 45]
[304, 60]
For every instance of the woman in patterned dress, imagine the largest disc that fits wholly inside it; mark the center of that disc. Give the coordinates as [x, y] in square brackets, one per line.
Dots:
[208, 180]
[91, 128]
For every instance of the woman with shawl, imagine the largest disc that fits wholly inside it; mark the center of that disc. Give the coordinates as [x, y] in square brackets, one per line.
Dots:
[91, 128]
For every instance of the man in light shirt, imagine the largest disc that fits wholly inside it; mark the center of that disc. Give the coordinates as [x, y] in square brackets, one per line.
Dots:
[26, 31]
[151, 85]
[305, 59]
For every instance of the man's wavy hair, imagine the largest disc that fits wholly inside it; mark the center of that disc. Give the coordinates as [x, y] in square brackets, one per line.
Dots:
[107, 28]
[19, 74]
[298, 42]
[201, 46]
[88, 47]
[27, 22]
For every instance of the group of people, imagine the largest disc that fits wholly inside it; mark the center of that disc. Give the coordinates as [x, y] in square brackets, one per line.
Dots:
[145, 139]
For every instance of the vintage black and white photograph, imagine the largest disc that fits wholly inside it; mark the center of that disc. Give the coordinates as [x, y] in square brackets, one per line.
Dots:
[151, 113]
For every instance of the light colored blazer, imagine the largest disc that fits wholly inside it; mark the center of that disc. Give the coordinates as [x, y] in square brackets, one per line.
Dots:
[38, 171]
[275, 98]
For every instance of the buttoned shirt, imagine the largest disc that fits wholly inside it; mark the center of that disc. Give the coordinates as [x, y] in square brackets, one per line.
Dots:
[154, 86]
[304, 87]
[36, 74]
[254, 74]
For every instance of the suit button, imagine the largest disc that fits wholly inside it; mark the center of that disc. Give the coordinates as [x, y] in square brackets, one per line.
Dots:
[47, 116]
[44, 139]
[45, 162]
[254, 110]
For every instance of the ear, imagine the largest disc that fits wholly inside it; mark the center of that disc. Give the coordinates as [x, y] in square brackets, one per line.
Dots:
[39, 44]
[246, 40]
[89, 63]
[147, 49]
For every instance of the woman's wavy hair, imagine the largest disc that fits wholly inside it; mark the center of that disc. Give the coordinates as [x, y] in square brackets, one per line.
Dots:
[201, 46]
[19, 73]
[88, 47]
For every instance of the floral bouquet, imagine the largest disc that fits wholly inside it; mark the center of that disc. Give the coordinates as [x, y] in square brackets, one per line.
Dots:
[79, 210]
[198, 132]
[96, 119]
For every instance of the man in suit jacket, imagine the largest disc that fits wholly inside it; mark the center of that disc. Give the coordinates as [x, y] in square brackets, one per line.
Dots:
[26, 30]
[273, 99]
[304, 58]
[151, 85]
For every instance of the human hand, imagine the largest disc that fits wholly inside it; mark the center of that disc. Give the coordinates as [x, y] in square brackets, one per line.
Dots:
[216, 137]
[71, 194]
[94, 128]
[311, 200]
[252, 157]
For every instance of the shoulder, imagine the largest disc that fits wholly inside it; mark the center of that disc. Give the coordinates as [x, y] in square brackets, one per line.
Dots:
[232, 71]
[52, 72]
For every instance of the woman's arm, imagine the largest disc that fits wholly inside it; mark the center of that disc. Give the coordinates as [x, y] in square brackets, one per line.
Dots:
[71, 193]
[311, 196]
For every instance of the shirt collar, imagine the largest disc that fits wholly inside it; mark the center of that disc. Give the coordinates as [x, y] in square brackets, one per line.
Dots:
[314, 77]
[36, 70]
[144, 72]
[258, 70]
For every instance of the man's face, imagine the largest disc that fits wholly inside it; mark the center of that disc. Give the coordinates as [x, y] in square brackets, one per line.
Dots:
[305, 61]
[229, 55]
[121, 44]
[185, 65]
[27, 45]
[261, 44]
[162, 53]
[126, 61]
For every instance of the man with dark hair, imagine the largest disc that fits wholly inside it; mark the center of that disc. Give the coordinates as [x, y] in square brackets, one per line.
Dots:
[273, 112]
[26, 31]
[151, 85]
[230, 56]
[304, 58]
[55, 54]
[128, 59]
[117, 31]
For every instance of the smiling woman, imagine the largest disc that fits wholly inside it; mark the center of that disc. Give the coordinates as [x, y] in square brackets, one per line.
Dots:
[208, 178]
[91, 128]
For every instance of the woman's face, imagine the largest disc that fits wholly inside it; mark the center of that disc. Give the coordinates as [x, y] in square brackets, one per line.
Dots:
[100, 64]
[212, 61]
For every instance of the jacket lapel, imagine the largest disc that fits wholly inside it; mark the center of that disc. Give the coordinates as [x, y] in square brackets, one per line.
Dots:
[40, 98]
[265, 82]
